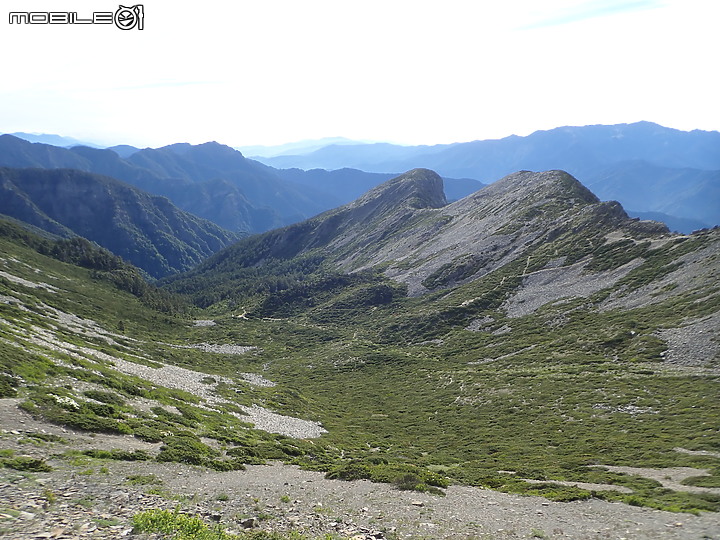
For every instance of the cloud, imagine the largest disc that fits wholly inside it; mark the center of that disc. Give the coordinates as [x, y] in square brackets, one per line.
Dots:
[580, 11]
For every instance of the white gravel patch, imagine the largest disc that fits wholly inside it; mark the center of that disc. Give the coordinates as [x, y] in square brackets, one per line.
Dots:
[697, 452]
[556, 283]
[218, 349]
[29, 284]
[257, 380]
[191, 381]
[174, 377]
[281, 424]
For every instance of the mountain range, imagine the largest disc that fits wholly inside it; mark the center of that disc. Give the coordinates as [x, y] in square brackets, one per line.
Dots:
[211, 180]
[243, 196]
[652, 170]
[676, 170]
[407, 228]
[437, 335]
[300, 147]
[52, 139]
[201, 179]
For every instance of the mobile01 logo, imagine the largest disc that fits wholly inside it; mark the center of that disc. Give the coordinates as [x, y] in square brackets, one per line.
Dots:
[124, 17]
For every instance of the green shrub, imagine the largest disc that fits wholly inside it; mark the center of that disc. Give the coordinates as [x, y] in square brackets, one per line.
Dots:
[702, 481]
[147, 433]
[8, 386]
[101, 409]
[180, 526]
[26, 463]
[58, 406]
[119, 455]
[186, 527]
[46, 437]
[106, 397]
[412, 482]
[143, 480]
[185, 449]
[353, 470]
[245, 455]
[174, 418]
[404, 476]
[94, 423]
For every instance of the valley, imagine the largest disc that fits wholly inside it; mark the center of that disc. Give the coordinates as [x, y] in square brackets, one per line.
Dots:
[528, 339]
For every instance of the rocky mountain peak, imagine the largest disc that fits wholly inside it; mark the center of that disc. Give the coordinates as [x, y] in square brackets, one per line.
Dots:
[525, 186]
[418, 188]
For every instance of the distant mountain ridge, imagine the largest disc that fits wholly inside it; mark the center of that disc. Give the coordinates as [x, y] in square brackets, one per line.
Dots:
[301, 147]
[583, 147]
[647, 156]
[212, 181]
[197, 179]
[55, 140]
[650, 169]
[148, 231]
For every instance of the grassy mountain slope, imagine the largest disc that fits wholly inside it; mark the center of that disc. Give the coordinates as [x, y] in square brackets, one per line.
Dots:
[146, 230]
[545, 335]
[553, 339]
[85, 342]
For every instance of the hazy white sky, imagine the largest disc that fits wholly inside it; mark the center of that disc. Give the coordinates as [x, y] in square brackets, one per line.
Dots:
[406, 71]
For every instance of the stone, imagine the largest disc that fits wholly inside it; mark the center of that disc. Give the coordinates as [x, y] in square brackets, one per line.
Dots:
[249, 523]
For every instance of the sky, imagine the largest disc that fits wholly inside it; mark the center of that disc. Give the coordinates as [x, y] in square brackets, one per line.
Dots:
[266, 72]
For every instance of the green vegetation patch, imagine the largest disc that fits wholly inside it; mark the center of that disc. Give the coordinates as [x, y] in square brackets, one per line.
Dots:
[404, 476]
[143, 480]
[60, 406]
[26, 463]
[118, 454]
[179, 526]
